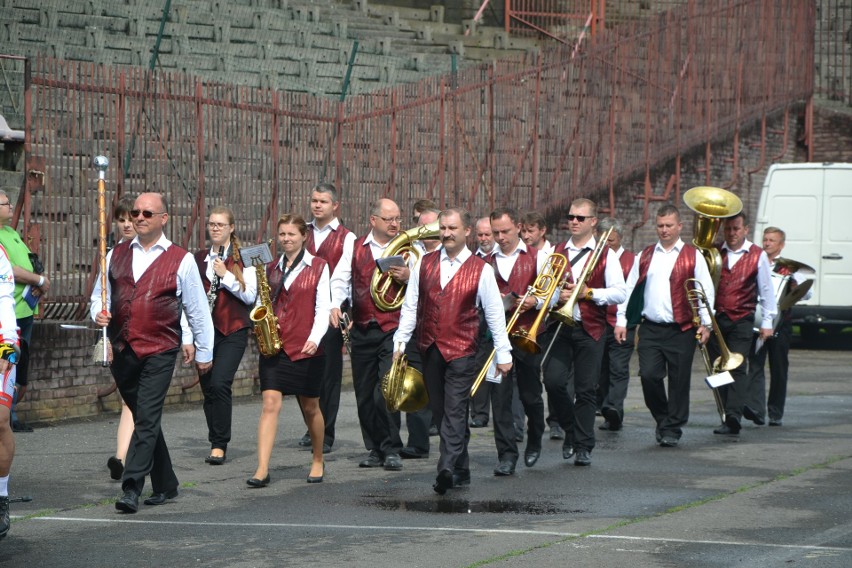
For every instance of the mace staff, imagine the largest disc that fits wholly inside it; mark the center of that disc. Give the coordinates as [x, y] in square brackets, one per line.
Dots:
[101, 163]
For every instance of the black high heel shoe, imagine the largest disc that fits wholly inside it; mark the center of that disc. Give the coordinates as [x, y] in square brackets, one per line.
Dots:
[258, 483]
[317, 478]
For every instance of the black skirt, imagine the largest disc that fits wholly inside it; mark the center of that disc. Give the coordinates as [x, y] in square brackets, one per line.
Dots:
[300, 377]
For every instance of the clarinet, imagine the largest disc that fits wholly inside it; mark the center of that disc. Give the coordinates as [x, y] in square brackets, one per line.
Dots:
[214, 284]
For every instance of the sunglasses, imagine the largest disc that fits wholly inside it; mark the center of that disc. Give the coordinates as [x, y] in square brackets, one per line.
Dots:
[579, 218]
[145, 213]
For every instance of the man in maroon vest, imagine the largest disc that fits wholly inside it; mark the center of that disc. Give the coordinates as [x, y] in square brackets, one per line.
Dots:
[150, 279]
[480, 403]
[577, 351]
[516, 267]
[615, 366]
[372, 334]
[777, 347]
[445, 293]
[657, 296]
[745, 277]
[328, 239]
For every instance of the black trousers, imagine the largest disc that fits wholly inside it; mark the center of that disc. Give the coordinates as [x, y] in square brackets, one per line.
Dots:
[615, 371]
[448, 384]
[525, 373]
[216, 385]
[143, 384]
[480, 403]
[372, 356]
[332, 378]
[777, 350]
[575, 356]
[739, 338]
[666, 352]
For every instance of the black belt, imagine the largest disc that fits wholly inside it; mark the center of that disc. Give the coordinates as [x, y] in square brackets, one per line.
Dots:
[646, 321]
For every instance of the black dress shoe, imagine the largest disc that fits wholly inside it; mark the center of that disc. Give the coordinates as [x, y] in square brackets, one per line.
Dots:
[519, 434]
[326, 449]
[443, 482]
[731, 427]
[393, 462]
[305, 441]
[116, 468]
[504, 468]
[215, 460]
[258, 483]
[128, 503]
[567, 452]
[582, 457]
[373, 460]
[161, 498]
[613, 418]
[433, 430]
[774, 422]
[317, 478]
[409, 453]
[461, 477]
[478, 423]
[530, 457]
[750, 414]
[605, 426]
[556, 432]
[668, 442]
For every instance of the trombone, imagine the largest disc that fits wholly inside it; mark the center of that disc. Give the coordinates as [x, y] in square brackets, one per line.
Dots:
[726, 361]
[545, 285]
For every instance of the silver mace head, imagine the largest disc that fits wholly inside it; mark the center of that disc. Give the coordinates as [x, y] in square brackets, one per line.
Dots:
[101, 163]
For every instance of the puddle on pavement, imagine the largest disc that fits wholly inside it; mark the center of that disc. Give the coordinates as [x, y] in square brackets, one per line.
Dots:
[440, 505]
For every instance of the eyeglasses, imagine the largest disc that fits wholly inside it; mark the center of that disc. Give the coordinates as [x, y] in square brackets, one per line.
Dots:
[219, 226]
[390, 220]
[7, 203]
[145, 213]
[580, 218]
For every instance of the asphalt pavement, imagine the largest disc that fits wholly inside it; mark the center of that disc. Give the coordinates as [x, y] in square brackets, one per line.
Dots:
[776, 496]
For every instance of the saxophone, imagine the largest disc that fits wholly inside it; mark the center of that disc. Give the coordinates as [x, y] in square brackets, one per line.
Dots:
[263, 316]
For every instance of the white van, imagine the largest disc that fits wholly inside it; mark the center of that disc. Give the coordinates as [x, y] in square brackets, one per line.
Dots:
[812, 203]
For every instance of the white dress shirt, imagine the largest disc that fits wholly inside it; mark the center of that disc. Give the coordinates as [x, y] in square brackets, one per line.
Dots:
[229, 282]
[506, 262]
[341, 280]
[323, 304]
[765, 290]
[658, 293]
[615, 291]
[487, 296]
[189, 289]
[320, 234]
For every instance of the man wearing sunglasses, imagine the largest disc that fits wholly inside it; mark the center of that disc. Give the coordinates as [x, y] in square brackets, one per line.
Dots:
[578, 350]
[150, 279]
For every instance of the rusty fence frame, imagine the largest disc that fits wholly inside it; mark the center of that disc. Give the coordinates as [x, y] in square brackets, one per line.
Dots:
[533, 134]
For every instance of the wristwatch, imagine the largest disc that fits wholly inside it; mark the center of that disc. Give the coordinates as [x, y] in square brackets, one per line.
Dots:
[589, 294]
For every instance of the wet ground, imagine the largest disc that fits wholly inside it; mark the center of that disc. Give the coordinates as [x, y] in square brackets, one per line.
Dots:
[773, 497]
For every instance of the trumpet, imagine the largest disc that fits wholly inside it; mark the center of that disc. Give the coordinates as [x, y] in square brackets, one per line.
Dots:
[726, 361]
[544, 286]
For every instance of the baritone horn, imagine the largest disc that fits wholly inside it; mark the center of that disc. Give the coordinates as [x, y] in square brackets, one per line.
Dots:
[711, 206]
[726, 361]
[402, 244]
[544, 286]
[403, 387]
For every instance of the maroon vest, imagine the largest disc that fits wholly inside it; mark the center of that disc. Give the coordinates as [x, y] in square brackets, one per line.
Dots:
[363, 309]
[523, 274]
[332, 247]
[295, 308]
[230, 314]
[455, 336]
[684, 268]
[736, 295]
[145, 314]
[593, 316]
[626, 260]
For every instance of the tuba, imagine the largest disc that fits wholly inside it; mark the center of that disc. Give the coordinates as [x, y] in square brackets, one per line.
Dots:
[264, 318]
[726, 361]
[711, 205]
[402, 244]
[403, 387]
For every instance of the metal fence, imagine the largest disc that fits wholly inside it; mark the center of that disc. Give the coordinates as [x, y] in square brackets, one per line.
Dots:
[532, 134]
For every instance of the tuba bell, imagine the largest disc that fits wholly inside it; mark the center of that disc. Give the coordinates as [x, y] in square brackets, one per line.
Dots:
[402, 244]
[711, 205]
[403, 387]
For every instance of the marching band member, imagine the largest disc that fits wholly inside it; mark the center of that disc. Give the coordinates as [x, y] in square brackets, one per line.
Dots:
[230, 293]
[746, 280]
[777, 347]
[578, 349]
[667, 336]
[329, 240]
[516, 267]
[445, 291]
[480, 403]
[300, 298]
[615, 367]
[372, 335]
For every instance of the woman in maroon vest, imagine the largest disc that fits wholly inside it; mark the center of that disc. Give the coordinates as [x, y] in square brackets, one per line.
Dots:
[301, 300]
[230, 293]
